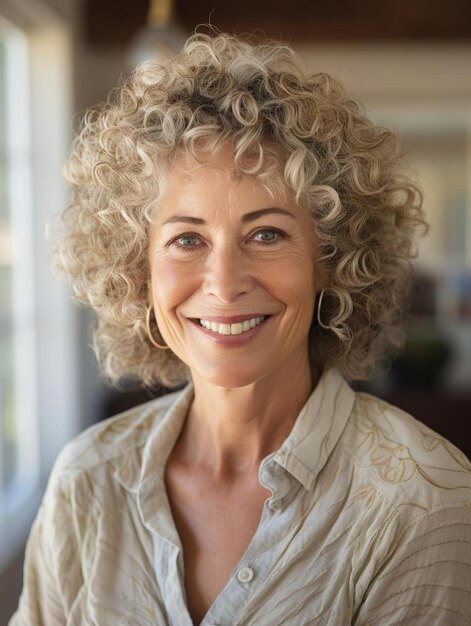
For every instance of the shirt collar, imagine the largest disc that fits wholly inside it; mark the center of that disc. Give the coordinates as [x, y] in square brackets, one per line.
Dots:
[144, 464]
[317, 429]
[303, 454]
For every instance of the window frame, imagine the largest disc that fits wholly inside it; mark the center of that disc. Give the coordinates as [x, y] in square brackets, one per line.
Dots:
[53, 389]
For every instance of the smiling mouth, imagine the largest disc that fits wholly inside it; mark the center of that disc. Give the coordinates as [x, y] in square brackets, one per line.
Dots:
[237, 328]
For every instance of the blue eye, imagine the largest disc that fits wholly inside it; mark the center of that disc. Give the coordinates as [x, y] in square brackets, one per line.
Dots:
[268, 236]
[186, 242]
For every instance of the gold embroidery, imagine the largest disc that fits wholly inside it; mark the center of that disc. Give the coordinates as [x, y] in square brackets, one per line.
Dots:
[393, 459]
[367, 492]
[430, 442]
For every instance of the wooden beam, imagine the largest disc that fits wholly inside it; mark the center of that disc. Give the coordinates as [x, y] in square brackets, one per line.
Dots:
[114, 22]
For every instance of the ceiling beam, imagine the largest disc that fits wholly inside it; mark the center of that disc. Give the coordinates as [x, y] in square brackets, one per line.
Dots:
[114, 22]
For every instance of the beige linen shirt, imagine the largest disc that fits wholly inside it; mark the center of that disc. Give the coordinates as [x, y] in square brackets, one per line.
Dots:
[369, 523]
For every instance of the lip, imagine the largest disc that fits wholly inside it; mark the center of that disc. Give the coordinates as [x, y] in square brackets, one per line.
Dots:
[230, 340]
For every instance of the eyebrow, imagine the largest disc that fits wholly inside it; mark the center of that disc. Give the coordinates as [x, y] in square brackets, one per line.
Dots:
[248, 217]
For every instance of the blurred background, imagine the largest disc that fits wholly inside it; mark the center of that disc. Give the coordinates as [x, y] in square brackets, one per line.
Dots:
[408, 62]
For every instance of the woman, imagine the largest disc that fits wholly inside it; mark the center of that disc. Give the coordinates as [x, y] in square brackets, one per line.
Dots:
[244, 227]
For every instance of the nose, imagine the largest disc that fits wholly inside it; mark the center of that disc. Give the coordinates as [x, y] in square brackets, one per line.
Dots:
[228, 274]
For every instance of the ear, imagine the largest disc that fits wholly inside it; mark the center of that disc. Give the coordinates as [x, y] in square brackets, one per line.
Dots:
[149, 292]
[320, 279]
[322, 282]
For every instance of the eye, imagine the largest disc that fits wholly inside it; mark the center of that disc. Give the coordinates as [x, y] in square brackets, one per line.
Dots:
[268, 236]
[186, 242]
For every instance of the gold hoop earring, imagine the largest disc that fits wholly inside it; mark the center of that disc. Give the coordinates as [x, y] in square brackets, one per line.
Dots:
[318, 315]
[149, 332]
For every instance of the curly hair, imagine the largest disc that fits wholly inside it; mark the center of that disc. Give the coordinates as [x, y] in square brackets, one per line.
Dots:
[286, 127]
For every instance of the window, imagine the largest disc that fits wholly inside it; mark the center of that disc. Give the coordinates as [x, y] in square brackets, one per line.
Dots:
[39, 406]
[18, 417]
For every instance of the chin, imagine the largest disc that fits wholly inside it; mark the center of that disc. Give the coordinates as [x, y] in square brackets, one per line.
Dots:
[232, 377]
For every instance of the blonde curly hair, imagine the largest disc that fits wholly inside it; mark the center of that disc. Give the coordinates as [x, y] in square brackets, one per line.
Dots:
[286, 127]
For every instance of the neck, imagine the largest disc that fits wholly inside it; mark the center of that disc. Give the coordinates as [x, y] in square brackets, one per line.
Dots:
[229, 431]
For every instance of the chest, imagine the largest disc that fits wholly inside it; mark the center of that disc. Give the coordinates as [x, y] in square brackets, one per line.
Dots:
[216, 524]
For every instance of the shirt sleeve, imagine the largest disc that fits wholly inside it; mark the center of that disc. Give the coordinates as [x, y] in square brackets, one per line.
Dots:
[52, 567]
[426, 579]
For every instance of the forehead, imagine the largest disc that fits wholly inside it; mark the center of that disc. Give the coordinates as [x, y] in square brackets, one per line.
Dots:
[189, 169]
[206, 173]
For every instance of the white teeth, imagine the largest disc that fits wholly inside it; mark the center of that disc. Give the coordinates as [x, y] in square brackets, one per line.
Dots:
[232, 329]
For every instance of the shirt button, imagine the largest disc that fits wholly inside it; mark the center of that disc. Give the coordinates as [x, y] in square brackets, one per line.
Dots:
[245, 575]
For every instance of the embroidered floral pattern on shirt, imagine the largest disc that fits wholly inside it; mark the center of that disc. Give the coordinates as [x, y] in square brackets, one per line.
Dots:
[393, 460]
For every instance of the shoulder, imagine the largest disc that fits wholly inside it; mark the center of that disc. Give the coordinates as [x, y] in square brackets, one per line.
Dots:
[112, 437]
[413, 467]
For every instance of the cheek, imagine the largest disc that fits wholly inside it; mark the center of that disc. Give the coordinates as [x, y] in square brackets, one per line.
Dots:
[171, 283]
[293, 279]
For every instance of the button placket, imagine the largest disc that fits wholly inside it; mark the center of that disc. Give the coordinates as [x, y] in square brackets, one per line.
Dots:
[245, 574]
[236, 595]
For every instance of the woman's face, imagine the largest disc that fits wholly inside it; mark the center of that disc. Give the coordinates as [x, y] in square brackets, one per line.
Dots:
[233, 277]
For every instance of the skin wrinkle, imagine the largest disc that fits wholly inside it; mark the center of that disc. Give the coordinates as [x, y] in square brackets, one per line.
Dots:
[230, 274]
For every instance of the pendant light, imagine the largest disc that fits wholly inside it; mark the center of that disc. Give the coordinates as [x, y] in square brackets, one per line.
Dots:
[160, 36]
